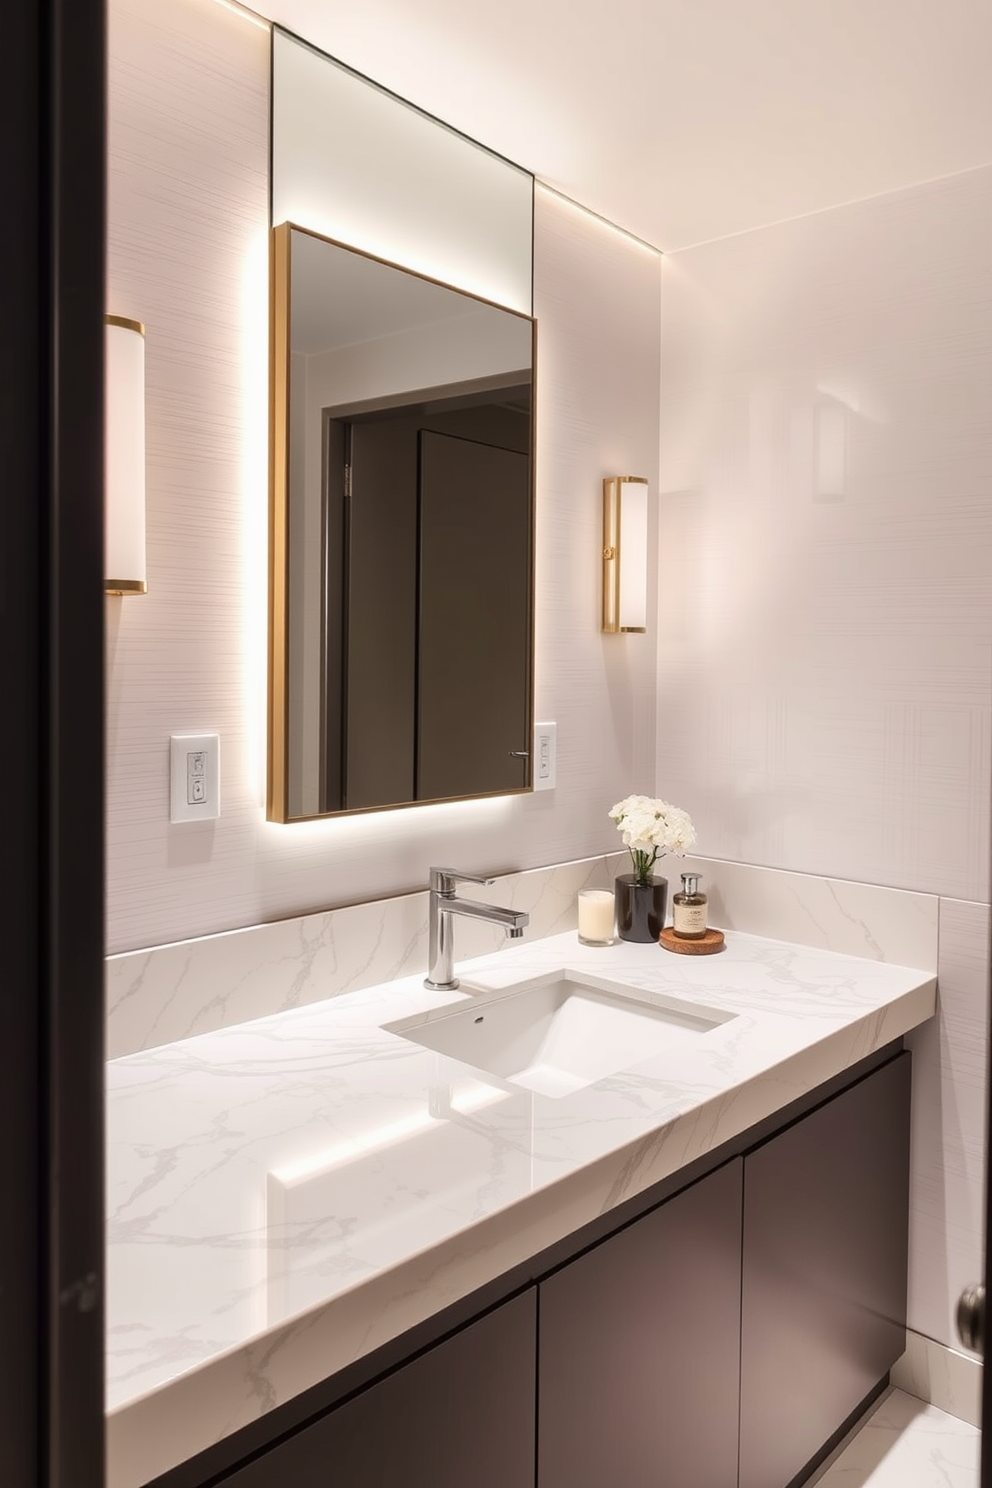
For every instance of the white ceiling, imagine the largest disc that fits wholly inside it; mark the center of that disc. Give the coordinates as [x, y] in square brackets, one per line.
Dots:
[685, 120]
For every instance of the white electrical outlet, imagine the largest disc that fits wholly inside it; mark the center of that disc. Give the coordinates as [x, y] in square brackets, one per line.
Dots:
[545, 756]
[195, 777]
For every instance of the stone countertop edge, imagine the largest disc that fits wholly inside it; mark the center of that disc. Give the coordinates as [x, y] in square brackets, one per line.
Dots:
[154, 1432]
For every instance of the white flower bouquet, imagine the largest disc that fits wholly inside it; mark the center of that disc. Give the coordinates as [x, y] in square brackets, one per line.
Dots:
[649, 829]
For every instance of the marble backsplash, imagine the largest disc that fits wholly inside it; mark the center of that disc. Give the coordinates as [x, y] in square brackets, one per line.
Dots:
[170, 992]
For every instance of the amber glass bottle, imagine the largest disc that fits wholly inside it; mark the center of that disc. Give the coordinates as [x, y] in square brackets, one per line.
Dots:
[689, 909]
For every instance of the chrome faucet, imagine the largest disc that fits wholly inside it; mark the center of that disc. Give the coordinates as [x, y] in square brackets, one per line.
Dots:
[444, 905]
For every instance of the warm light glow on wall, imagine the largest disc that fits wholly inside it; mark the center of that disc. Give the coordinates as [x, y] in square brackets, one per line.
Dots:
[253, 373]
[625, 554]
[246, 14]
[124, 440]
[596, 219]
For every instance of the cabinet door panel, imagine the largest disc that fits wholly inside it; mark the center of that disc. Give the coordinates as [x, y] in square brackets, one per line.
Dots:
[824, 1285]
[639, 1350]
[462, 1414]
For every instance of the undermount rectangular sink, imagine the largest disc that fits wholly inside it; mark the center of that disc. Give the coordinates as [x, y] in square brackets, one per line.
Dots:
[560, 1032]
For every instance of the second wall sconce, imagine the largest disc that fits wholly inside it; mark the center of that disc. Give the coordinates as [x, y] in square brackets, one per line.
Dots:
[625, 554]
[124, 480]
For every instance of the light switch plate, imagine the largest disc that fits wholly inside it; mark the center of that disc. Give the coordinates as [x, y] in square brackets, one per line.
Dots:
[195, 777]
[545, 756]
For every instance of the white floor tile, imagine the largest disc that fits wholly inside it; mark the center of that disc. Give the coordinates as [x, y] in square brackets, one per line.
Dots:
[906, 1443]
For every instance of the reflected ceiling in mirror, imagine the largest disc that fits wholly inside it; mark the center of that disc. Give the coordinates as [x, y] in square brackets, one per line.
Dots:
[401, 536]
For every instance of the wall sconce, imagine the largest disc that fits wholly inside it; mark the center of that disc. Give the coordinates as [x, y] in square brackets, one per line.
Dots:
[625, 553]
[124, 487]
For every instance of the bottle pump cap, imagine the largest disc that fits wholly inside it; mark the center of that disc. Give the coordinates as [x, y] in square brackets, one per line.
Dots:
[690, 883]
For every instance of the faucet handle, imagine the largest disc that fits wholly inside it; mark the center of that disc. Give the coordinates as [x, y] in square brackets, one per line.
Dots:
[443, 880]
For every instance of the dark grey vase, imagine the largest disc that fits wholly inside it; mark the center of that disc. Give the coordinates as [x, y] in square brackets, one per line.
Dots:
[640, 907]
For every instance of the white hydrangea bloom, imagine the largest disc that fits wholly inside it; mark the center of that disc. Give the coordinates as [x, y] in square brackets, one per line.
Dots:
[651, 827]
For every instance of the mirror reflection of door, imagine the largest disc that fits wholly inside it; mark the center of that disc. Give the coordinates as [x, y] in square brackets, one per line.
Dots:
[474, 625]
[363, 713]
[428, 539]
[366, 357]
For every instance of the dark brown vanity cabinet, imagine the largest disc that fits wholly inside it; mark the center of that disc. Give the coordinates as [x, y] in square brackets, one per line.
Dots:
[824, 1275]
[639, 1352]
[719, 1339]
[722, 1339]
[460, 1414]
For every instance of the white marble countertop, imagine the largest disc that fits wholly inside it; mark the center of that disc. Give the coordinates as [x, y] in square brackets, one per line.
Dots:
[287, 1195]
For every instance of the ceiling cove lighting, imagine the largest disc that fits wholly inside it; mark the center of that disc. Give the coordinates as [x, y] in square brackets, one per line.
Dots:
[124, 489]
[625, 554]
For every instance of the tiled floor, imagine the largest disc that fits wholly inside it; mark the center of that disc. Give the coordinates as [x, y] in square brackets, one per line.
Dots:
[906, 1444]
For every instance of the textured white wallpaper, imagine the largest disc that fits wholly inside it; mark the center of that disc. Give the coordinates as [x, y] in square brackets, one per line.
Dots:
[825, 680]
[187, 255]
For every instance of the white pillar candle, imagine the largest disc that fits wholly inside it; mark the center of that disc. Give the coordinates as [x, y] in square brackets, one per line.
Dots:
[596, 916]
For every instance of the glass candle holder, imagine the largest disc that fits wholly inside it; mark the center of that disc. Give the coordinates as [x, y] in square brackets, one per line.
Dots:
[596, 914]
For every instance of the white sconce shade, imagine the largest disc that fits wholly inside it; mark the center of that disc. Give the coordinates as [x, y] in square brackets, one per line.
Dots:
[625, 553]
[124, 443]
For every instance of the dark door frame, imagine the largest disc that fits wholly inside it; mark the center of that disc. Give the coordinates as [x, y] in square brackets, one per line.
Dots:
[52, 98]
[986, 1419]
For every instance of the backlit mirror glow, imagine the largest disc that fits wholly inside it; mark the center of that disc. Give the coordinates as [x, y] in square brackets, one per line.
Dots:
[402, 519]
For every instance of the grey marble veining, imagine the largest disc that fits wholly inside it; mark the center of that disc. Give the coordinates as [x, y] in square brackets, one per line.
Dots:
[287, 1194]
[172, 992]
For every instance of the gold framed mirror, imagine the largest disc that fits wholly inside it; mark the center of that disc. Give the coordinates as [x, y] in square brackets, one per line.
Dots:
[401, 536]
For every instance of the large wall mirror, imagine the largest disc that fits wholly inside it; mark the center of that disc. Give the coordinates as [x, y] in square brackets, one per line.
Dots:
[402, 536]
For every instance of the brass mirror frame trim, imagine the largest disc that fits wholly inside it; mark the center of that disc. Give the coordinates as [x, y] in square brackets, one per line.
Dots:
[125, 586]
[280, 290]
[122, 320]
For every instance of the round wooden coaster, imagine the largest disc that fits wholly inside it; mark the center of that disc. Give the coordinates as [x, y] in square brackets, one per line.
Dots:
[704, 946]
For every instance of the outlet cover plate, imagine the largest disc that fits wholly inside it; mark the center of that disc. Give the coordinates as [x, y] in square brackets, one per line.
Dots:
[194, 771]
[545, 756]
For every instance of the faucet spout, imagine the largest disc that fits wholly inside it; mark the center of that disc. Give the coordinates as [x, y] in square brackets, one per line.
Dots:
[511, 919]
[444, 905]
